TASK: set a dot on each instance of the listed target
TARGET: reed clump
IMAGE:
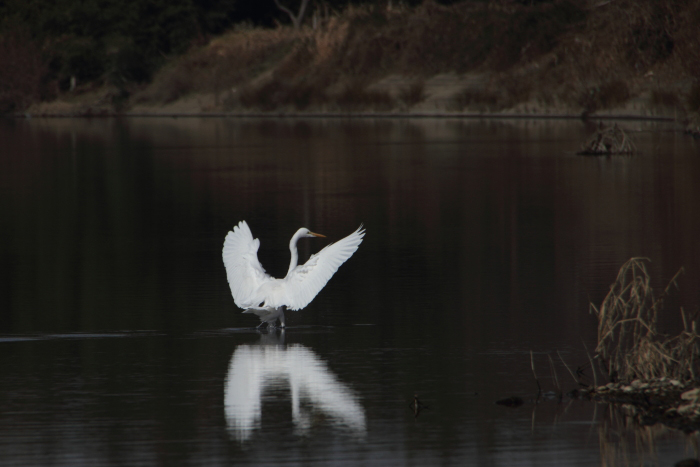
(630, 346)
(608, 140)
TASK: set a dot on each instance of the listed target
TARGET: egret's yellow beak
(317, 235)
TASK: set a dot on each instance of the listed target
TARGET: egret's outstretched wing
(307, 280)
(244, 272)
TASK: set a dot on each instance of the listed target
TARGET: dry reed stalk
(590, 360)
(629, 343)
(554, 376)
(532, 365)
(329, 40)
(567, 367)
(609, 140)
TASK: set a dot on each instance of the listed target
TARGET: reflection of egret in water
(255, 368)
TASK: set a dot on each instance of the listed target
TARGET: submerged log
(607, 141)
(513, 401)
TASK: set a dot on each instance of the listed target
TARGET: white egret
(257, 292)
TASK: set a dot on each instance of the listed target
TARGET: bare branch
(296, 19)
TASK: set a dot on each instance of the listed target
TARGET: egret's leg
(282, 318)
(272, 320)
(260, 325)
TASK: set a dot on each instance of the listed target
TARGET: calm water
(120, 343)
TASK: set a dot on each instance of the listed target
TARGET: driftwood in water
(513, 401)
(608, 140)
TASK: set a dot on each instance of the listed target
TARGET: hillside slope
(561, 57)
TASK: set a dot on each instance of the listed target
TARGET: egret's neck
(293, 249)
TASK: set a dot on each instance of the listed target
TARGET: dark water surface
(120, 343)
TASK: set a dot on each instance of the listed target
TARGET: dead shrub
(608, 140)
(629, 344)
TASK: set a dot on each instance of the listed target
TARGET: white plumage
(257, 292)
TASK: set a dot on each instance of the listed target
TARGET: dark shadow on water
(79, 335)
(303, 329)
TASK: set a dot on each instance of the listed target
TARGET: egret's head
(307, 233)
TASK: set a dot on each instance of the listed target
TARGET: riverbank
(441, 95)
(690, 124)
(556, 59)
(95, 104)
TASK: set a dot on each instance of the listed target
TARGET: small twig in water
(554, 375)
(567, 367)
(417, 406)
(595, 377)
(532, 364)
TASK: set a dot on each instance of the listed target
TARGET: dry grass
(229, 60)
(629, 343)
(585, 55)
(363, 44)
(608, 140)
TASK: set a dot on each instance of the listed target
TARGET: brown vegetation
(587, 57)
(630, 346)
(608, 140)
(340, 59)
(582, 57)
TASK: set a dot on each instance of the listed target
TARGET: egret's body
(257, 292)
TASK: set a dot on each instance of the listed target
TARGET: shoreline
(350, 115)
(688, 123)
(658, 401)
